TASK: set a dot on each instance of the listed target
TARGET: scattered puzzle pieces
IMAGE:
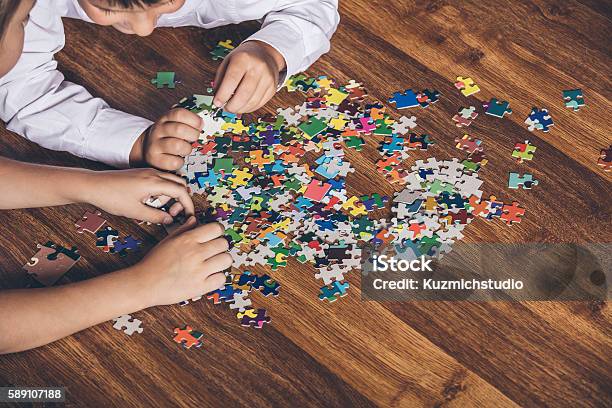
(127, 324)
(574, 99)
(406, 99)
(605, 158)
(466, 86)
(468, 144)
(253, 318)
(523, 151)
(187, 337)
(51, 262)
(222, 49)
(465, 116)
(122, 247)
(165, 80)
(90, 222)
(526, 181)
(496, 108)
(512, 214)
(539, 119)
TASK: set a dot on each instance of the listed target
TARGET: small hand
(248, 77)
(166, 143)
(124, 192)
(185, 265)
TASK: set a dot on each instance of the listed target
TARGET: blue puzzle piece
(333, 291)
(207, 180)
(121, 247)
(526, 181)
(408, 99)
(497, 109)
(539, 119)
(573, 99)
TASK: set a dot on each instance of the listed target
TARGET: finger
(187, 226)
(178, 192)
(183, 115)
(163, 200)
(257, 98)
(230, 81)
(219, 262)
(176, 209)
(243, 94)
(270, 92)
(154, 215)
(214, 247)
(173, 177)
(165, 161)
(208, 232)
(219, 76)
(174, 146)
(178, 130)
(214, 281)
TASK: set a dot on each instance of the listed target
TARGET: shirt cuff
(281, 36)
(112, 136)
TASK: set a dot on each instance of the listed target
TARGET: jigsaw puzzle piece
(128, 244)
(466, 86)
(48, 265)
(573, 99)
(187, 337)
(90, 222)
(406, 99)
(605, 159)
(165, 79)
(497, 108)
(127, 324)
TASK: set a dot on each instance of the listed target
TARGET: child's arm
(183, 266)
(297, 32)
(117, 192)
(37, 103)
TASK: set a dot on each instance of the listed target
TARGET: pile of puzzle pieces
(275, 206)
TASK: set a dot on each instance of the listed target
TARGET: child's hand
(124, 193)
(185, 265)
(248, 77)
(166, 143)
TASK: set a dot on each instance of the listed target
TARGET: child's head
(129, 16)
(13, 18)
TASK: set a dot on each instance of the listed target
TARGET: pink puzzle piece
(90, 222)
(316, 191)
(47, 271)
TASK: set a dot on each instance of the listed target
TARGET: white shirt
(37, 103)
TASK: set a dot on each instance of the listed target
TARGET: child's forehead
(124, 4)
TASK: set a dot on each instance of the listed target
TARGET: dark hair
(7, 9)
(131, 3)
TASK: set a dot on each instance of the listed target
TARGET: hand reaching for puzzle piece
(127, 192)
(248, 77)
(184, 265)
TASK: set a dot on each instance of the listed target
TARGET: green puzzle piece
(313, 127)
(164, 79)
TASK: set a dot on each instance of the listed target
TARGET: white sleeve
(299, 29)
(37, 103)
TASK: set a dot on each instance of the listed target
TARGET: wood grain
(357, 353)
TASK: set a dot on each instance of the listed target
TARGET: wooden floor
(355, 353)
